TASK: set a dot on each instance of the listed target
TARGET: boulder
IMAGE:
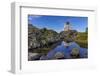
(38, 38)
(33, 56)
(75, 53)
(43, 57)
(68, 36)
(59, 55)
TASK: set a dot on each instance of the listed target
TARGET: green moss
(82, 39)
(82, 43)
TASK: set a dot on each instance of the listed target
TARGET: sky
(57, 22)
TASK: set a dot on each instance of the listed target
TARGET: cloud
(31, 17)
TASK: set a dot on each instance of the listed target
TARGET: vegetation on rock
(82, 39)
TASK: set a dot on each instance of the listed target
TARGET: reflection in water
(64, 50)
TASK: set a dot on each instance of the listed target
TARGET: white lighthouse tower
(67, 26)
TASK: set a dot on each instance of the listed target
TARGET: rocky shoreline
(41, 41)
(39, 38)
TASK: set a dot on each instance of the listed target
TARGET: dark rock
(59, 55)
(33, 56)
(43, 57)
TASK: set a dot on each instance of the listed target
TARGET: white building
(67, 26)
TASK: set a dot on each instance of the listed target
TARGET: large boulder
(33, 36)
(75, 53)
(38, 38)
(68, 36)
(49, 36)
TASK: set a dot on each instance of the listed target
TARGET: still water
(66, 49)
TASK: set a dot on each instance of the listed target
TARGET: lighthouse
(67, 26)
